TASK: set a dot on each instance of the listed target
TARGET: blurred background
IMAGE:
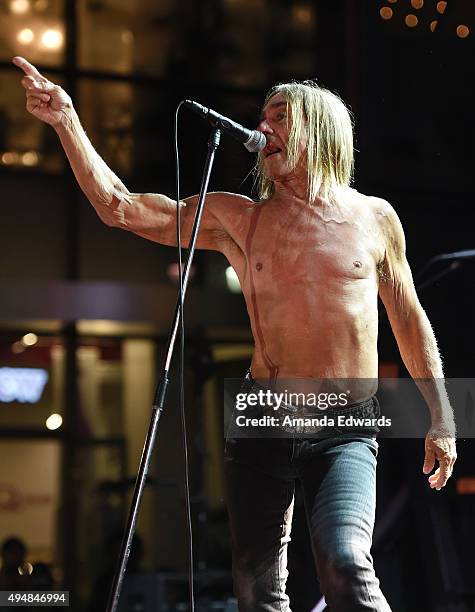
(85, 309)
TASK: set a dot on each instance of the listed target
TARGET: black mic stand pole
(432, 279)
(161, 389)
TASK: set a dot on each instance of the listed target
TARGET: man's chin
(275, 174)
(274, 169)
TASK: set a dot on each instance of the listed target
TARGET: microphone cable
(182, 370)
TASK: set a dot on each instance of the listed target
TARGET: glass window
(33, 29)
(32, 374)
(29, 496)
(25, 142)
(243, 29)
(107, 111)
(298, 43)
(127, 37)
(100, 386)
(100, 477)
(126, 123)
(31, 381)
(258, 43)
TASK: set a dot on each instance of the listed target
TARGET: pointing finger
(28, 68)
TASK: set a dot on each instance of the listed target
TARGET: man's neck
(293, 190)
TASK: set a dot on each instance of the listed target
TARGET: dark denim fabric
(368, 408)
(338, 477)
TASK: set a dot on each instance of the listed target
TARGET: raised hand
(44, 100)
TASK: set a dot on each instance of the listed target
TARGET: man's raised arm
(151, 216)
(417, 345)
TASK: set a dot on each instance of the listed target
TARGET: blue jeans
(338, 477)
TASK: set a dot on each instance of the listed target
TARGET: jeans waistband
(366, 408)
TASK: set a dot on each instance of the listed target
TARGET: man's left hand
(439, 446)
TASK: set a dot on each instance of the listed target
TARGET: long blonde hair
(329, 126)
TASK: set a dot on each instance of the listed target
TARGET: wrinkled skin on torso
(309, 276)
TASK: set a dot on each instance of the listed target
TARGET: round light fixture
(463, 31)
(386, 12)
(52, 39)
(25, 36)
(54, 421)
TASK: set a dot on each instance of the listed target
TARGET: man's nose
(264, 127)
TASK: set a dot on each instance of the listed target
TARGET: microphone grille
(257, 141)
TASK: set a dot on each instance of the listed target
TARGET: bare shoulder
(226, 214)
(222, 201)
(384, 213)
(377, 212)
(380, 216)
(388, 223)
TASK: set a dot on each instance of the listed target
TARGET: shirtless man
(311, 258)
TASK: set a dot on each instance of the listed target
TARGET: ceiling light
(10, 157)
(25, 36)
(441, 6)
(19, 6)
(29, 339)
(30, 158)
(54, 421)
(52, 39)
(386, 12)
(463, 31)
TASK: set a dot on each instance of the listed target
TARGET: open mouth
(271, 151)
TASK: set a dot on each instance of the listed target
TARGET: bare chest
(307, 250)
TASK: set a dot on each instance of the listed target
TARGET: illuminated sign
(23, 385)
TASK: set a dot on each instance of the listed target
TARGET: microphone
(253, 140)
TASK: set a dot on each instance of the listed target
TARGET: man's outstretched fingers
(429, 461)
(28, 68)
(433, 478)
(444, 473)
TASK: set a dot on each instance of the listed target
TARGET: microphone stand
(161, 389)
(435, 277)
(432, 279)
